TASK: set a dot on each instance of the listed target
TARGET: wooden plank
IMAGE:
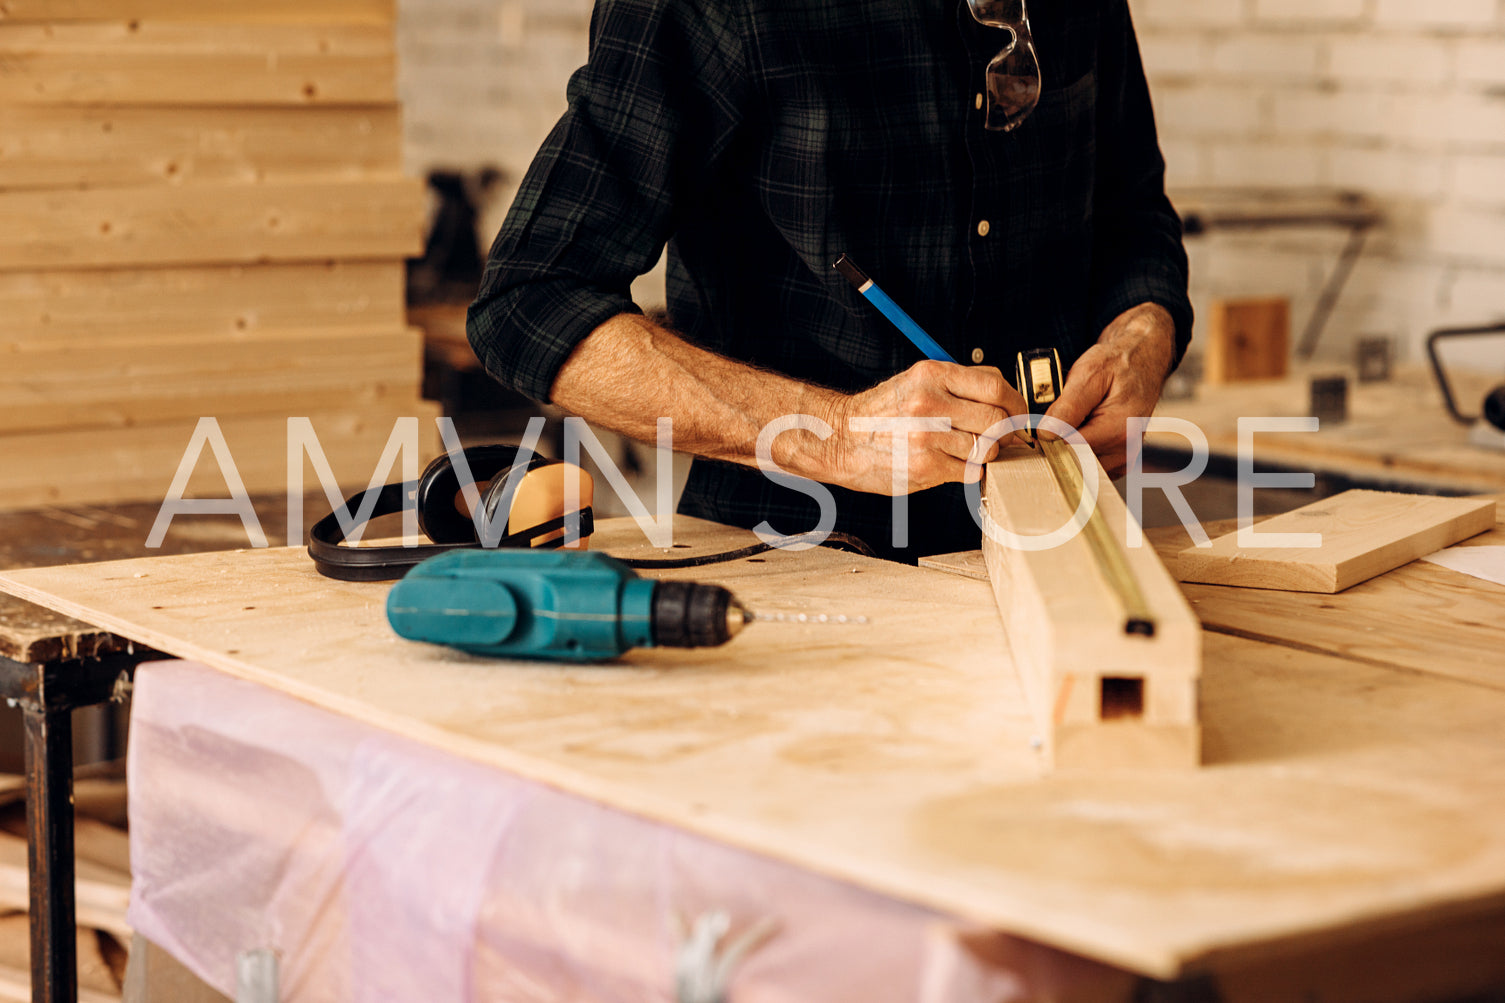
(1420, 617)
(102, 893)
(1247, 339)
(1362, 534)
(209, 301)
(894, 755)
(124, 147)
(203, 11)
(212, 224)
(163, 63)
(1100, 696)
(967, 563)
(117, 383)
(137, 464)
(103, 845)
(168, 356)
(96, 980)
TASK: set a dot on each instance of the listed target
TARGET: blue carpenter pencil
(896, 316)
(895, 313)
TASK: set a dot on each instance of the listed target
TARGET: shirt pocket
(1060, 156)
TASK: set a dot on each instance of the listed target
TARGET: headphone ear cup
(540, 496)
(438, 517)
(442, 513)
(495, 497)
(544, 495)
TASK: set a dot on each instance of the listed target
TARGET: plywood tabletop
(1418, 618)
(896, 754)
(83, 534)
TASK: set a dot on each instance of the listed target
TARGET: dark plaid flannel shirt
(762, 138)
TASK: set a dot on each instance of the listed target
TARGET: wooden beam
(203, 11)
(154, 63)
(212, 224)
(206, 301)
(1363, 534)
(1101, 697)
(51, 147)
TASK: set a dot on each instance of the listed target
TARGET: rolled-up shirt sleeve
(649, 116)
(1138, 256)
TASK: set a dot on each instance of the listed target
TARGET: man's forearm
(631, 371)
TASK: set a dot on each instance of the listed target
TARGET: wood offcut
(1355, 536)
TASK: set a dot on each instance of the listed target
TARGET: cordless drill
(559, 605)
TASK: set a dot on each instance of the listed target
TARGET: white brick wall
(1403, 100)
(482, 82)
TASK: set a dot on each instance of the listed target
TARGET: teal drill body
(560, 605)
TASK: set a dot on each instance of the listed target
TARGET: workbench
(52, 664)
(1398, 435)
(1345, 837)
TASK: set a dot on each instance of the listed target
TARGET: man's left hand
(1118, 378)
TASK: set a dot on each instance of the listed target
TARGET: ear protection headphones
(529, 486)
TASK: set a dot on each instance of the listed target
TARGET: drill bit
(751, 616)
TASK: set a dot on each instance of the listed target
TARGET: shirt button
(983, 228)
(978, 103)
(976, 356)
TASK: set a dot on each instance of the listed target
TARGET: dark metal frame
(47, 694)
(1435, 358)
(1350, 211)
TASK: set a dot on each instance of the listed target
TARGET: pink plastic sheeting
(385, 870)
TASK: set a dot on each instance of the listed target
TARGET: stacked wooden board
(101, 891)
(205, 215)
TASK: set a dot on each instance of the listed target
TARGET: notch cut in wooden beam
(1101, 696)
(1122, 698)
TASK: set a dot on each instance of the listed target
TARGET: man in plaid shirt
(761, 139)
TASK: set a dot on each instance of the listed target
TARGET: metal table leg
(47, 694)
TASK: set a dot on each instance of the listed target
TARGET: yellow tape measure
(1040, 382)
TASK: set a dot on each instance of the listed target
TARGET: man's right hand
(865, 457)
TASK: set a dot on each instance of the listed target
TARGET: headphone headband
(434, 496)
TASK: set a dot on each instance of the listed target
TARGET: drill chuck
(555, 604)
(694, 615)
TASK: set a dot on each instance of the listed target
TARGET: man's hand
(1117, 379)
(974, 398)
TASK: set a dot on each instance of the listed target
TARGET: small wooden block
(966, 563)
(1247, 339)
(1364, 534)
(1101, 697)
